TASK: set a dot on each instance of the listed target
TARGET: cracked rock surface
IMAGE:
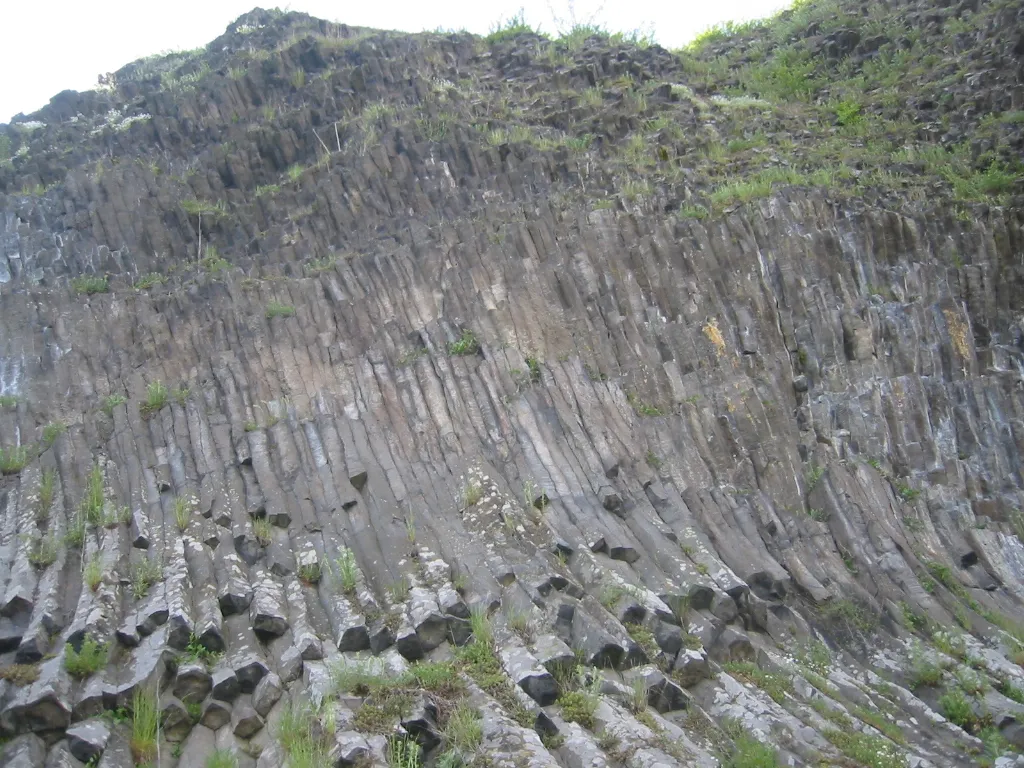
(336, 418)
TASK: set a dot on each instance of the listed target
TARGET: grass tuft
(90, 658)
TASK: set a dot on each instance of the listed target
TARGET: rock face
(311, 352)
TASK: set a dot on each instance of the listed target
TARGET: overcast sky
(53, 45)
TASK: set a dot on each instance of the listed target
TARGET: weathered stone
(175, 720)
(225, 686)
(267, 692)
(245, 721)
(216, 714)
(192, 683)
(88, 739)
(526, 672)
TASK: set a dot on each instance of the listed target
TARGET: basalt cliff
(371, 398)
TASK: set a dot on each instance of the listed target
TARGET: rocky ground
(371, 398)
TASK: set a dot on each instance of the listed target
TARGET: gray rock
(225, 685)
(25, 751)
(88, 739)
(193, 682)
(526, 672)
(175, 720)
(216, 714)
(245, 721)
(268, 691)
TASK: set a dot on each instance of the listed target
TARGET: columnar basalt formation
(370, 395)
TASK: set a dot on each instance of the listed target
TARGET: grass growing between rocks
(302, 738)
(13, 459)
(156, 398)
(145, 725)
(20, 674)
(869, 751)
(89, 658)
(479, 660)
(222, 758)
(776, 686)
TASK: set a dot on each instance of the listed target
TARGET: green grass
(466, 344)
(145, 719)
(306, 746)
(748, 752)
(403, 752)
(156, 398)
(345, 571)
(262, 530)
(142, 574)
(43, 552)
(294, 172)
(508, 29)
(776, 686)
(13, 459)
(52, 431)
(276, 309)
(110, 402)
(149, 281)
(8, 401)
(309, 573)
(196, 650)
(869, 751)
(182, 512)
(92, 574)
(75, 535)
(196, 207)
(89, 285)
(222, 758)
(47, 490)
(579, 707)
(93, 498)
(923, 672)
(90, 658)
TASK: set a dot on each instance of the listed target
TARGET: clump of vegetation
(263, 531)
(13, 459)
(182, 512)
(465, 345)
(196, 650)
(776, 686)
(305, 744)
(145, 719)
(89, 285)
(276, 309)
(43, 552)
(309, 573)
(8, 401)
(110, 402)
(222, 758)
(850, 616)
(471, 494)
(93, 573)
(149, 281)
(89, 658)
(508, 29)
(579, 707)
(870, 751)
(20, 674)
(345, 570)
(93, 499)
(47, 488)
(156, 398)
(52, 431)
(142, 574)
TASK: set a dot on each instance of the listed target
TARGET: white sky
(54, 45)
